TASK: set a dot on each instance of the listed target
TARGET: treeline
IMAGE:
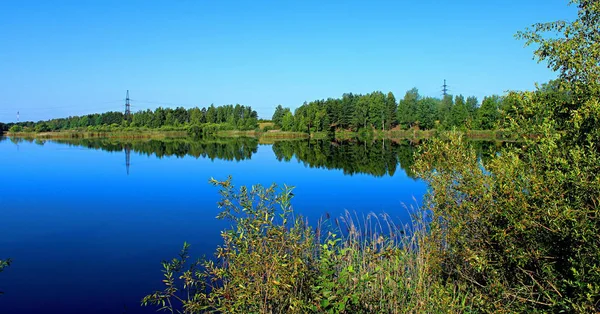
(382, 112)
(230, 117)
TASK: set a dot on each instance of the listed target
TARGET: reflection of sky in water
(86, 237)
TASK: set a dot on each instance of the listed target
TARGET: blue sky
(61, 58)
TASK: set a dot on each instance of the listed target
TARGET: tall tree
(377, 109)
(488, 114)
(390, 114)
(426, 112)
(278, 115)
(407, 108)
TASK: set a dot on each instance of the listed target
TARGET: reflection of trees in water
(234, 149)
(377, 158)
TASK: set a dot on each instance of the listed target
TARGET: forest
(381, 111)
(351, 112)
(227, 117)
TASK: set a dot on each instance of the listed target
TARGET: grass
(262, 125)
(238, 133)
(156, 134)
(284, 135)
(266, 137)
(272, 261)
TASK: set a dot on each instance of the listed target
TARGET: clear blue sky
(61, 58)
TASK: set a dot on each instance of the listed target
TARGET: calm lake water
(87, 222)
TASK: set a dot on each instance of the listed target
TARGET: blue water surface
(87, 236)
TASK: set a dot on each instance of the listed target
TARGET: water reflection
(127, 150)
(378, 158)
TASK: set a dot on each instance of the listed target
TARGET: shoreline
(271, 136)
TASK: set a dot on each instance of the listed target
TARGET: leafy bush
(268, 128)
(15, 129)
(271, 262)
(522, 231)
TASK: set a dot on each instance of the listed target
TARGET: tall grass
(272, 261)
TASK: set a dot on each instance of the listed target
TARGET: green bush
(271, 262)
(15, 129)
(522, 230)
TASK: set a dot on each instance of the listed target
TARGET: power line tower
(127, 105)
(445, 89)
(17, 116)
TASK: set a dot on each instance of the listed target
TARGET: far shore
(268, 136)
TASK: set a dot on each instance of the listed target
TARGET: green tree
(278, 115)
(521, 231)
(361, 113)
(390, 114)
(42, 127)
(211, 114)
(443, 110)
(488, 114)
(377, 109)
(459, 113)
(348, 108)
(472, 104)
(407, 108)
(426, 112)
(15, 128)
(287, 122)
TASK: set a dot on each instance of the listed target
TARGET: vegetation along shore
(516, 231)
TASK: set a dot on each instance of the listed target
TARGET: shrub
(522, 230)
(15, 129)
(271, 262)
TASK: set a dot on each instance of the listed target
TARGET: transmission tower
(17, 116)
(127, 105)
(445, 89)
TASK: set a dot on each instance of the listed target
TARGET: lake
(87, 222)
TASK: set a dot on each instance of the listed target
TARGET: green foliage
(4, 264)
(489, 113)
(459, 114)
(228, 117)
(271, 262)
(15, 129)
(521, 230)
(235, 149)
(374, 157)
(407, 108)
(42, 127)
(287, 122)
(425, 115)
(378, 111)
(278, 115)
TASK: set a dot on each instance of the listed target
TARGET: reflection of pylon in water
(127, 150)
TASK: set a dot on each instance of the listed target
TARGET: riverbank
(268, 136)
